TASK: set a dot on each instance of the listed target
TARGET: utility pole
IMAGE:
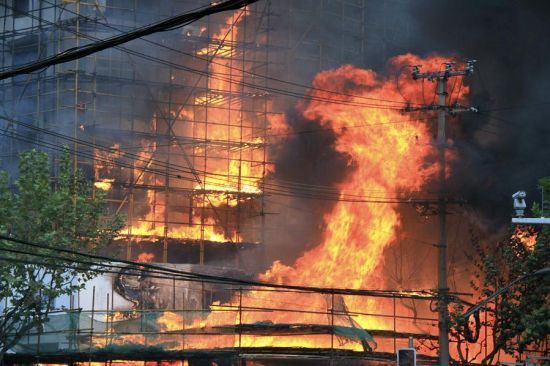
(441, 77)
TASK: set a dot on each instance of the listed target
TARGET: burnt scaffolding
(181, 133)
(168, 127)
(229, 333)
(173, 131)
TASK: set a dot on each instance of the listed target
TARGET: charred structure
(265, 144)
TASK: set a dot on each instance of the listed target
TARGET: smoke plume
(505, 147)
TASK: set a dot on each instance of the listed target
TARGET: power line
(229, 79)
(270, 190)
(382, 293)
(309, 87)
(99, 267)
(336, 195)
(216, 179)
(164, 25)
(289, 191)
(316, 310)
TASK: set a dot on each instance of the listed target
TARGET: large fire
(225, 174)
(227, 122)
(388, 152)
(391, 157)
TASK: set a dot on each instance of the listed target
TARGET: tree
(519, 320)
(60, 214)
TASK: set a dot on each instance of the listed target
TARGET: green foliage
(544, 186)
(61, 214)
(519, 319)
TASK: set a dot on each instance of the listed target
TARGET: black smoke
(505, 147)
(307, 157)
(500, 150)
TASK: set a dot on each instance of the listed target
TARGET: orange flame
(390, 154)
(230, 174)
(526, 235)
(145, 257)
(104, 184)
(104, 161)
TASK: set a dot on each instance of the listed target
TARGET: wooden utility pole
(441, 77)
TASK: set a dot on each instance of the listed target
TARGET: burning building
(177, 124)
(243, 145)
(183, 155)
(175, 128)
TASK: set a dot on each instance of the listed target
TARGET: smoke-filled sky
(503, 149)
(506, 147)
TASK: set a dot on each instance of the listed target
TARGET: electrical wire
(304, 193)
(196, 56)
(284, 191)
(299, 95)
(215, 179)
(164, 25)
(254, 178)
(223, 279)
(224, 183)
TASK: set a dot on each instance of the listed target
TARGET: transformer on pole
(442, 108)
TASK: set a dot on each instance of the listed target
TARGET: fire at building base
(268, 183)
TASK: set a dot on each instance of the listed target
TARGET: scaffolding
(168, 127)
(186, 330)
(175, 131)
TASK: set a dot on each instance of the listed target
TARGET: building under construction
(176, 128)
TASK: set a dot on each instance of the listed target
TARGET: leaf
(43, 213)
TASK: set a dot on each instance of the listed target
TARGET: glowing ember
(145, 257)
(104, 184)
(526, 235)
